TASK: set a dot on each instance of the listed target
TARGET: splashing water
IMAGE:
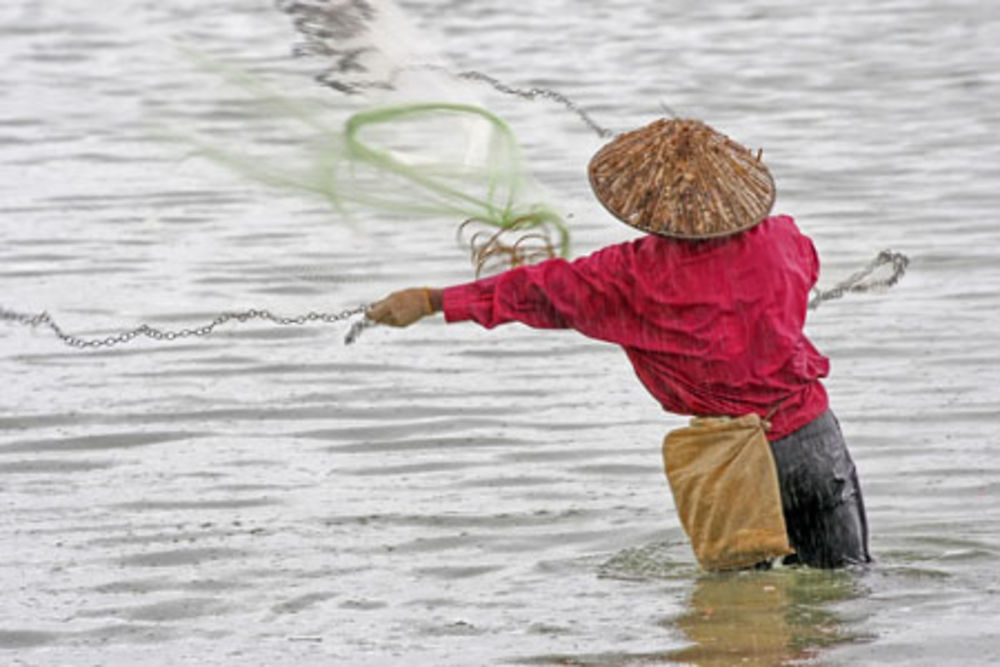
(656, 561)
(352, 38)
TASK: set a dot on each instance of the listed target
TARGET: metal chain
(167, 335)
(853, 283)
(856, 281)
(532, 93)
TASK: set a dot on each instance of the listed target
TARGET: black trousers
(820, 495)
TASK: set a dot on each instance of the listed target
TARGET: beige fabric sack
(725, 485)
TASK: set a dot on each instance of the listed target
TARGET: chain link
(148, 331)
(853, 283)
(856, 281)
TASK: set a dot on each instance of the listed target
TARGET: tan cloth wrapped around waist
(725, 486)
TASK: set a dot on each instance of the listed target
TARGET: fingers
(381, 312)
(402, 308)
(376, 311)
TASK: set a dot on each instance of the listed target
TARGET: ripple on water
(386, 433)
(453, 572)
(15, 639)
(428, 443)
(520, 527)
(182, 557)
(104, 441)
(53, 466)
(164, 584)
(302, 603)
(178, 609)
(202, 504)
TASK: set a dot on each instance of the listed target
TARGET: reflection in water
(764, 617)
(782, 616)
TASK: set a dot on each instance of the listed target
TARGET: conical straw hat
(682, 179)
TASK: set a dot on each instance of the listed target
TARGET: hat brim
(682, 179)
(683, 236)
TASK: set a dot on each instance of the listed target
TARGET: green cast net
(441, 160)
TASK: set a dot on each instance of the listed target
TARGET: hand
(403, 308)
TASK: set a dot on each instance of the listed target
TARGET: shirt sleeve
(591, 295)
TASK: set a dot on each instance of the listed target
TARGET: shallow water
(447, 495)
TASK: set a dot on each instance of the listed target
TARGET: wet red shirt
(711, 328)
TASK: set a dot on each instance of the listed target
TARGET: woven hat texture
(682, 179)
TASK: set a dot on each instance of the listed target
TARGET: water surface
(447, 495)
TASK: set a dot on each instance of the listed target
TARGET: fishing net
(441, 160)
(449, 159)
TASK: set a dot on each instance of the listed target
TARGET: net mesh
(441, 160)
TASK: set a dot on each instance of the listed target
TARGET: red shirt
(711, 328)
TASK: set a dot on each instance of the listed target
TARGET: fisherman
(709, 307)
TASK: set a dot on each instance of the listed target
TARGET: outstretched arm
(591, 294)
